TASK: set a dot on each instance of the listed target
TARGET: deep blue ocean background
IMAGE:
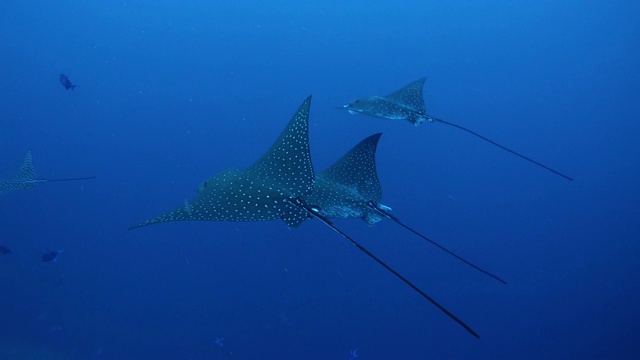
(172, 92)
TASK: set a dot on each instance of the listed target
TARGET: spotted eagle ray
(275, 187)
(408, 104)
(26, 177)
(350, 188)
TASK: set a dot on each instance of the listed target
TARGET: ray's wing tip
(135, 227)
(372, 139)
(307, 102)
(139, 225)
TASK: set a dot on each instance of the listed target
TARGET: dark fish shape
(26, 177)
(51, 255)
(4, 250)
(408, 104)
(273, 188)
(350, 188)
(64, 80)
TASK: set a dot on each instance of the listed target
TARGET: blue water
(172, 92)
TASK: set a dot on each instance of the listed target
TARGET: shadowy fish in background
(64, 80)
(4, 250)
(51, 255)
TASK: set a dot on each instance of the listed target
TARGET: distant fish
(4, 250)
(219, 341)
(51, 255)
(64, 80)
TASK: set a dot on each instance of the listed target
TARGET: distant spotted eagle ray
(26, 177)
(350, 189)
(275, 187)
(408, 104)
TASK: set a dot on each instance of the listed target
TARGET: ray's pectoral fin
(259, 192)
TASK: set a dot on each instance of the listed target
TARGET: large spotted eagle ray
(350, 189)
(275, 187)
(408, 104)
(26, 177)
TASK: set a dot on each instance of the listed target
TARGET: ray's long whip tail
(431, 118)
(313, 213)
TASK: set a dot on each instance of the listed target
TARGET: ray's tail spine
(312, 213)
(397, 221)
(69, 179)
(430, 118)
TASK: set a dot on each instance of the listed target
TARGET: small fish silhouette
(64, 80)
(51, 255)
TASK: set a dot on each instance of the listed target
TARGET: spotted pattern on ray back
(410, 97)
(380, 107)
(260, 192)
(344, 189)
(25, 178)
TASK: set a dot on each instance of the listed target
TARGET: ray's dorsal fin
(258, 193)
(410, 96)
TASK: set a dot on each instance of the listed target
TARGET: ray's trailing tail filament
(431, 118)
(387, 214)
(313, 213)
(68, 179)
